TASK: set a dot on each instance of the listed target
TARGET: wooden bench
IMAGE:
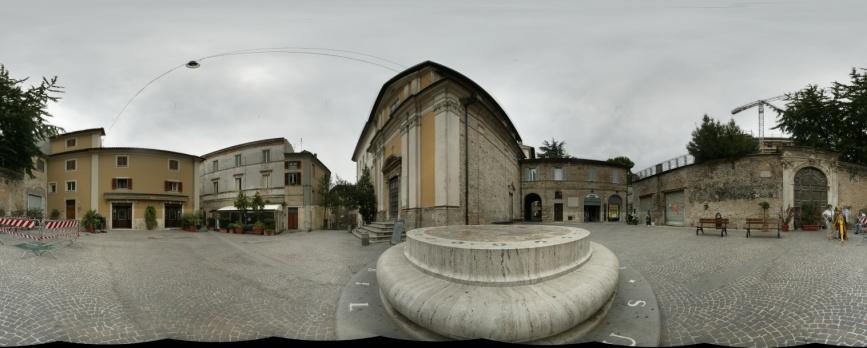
(763, 223)
(723, 223)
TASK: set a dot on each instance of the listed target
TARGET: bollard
(365, 239)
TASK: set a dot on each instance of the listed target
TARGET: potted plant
(200, 219)
(150, 217)
(809, 217)
(784, 219)
(237, 228)
(259, 227)
(55, 214)
(269, 232)
(188, 222)
(90, 220)
(101, 225)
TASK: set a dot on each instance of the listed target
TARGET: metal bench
(764, 224)
(720, 224)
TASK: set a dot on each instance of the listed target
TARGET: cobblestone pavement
(748, 292)
(134, 286)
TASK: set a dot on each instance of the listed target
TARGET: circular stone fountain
(509, 283)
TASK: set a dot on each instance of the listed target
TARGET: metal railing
(666, 165)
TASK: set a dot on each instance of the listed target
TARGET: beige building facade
(119, 183)
(441, 151)
(786, 177)
(287, 180)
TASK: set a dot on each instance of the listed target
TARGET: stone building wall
(734, 189)
(494, 171)
(13, 193)
(576, 185)
(853, 187)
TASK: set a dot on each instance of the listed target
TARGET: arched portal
(532, 207)
(811, 186)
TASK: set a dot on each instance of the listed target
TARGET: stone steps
(379, 231)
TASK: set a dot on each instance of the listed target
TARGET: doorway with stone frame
(391, 176)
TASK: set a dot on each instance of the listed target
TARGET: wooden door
(393, 197)
(292, 219)
(121, 215)
(70, 209)
(558, 211)
(172, 215)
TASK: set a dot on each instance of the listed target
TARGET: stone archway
(532, 207)
(811, 186)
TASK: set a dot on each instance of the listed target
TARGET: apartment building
(119, 182)
(270, 167)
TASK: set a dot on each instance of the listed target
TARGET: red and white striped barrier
(61, 224)
(61, 229)
(18, 222)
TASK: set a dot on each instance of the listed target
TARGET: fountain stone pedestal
(508, 283)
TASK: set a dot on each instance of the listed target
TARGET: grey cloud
(610, 78)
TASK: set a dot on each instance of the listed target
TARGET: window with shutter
(130, 183)
(180, 187)
(114, 184)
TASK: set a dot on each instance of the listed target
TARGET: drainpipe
(466, 103)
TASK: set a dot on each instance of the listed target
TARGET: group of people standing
(837, 223)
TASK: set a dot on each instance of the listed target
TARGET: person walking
(827, 220)
(846, 214)
(861, 223)
(840, 225)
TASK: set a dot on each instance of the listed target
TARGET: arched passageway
(532, 207)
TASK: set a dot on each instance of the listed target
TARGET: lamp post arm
(139, 92)
(259, 51)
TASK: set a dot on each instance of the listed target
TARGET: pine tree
(714, 140)
(834, 119)
(554, 149)
(23, 123)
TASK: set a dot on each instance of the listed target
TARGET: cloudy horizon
(615, 78)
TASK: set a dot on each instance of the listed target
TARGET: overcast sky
(610, 78)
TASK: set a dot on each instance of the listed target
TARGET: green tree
(622, 160)
(343, 194)
(23, 123)
(242, 203)
(833, 119)
(554, 149)
(257, 204)
(714, 140)
(150, 217)
(365, 197)
(326, 197)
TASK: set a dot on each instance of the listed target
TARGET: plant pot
(785, 227)
(90, 229)
(239, 230)
(259, 230)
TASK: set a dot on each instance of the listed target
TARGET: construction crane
(761, 104)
